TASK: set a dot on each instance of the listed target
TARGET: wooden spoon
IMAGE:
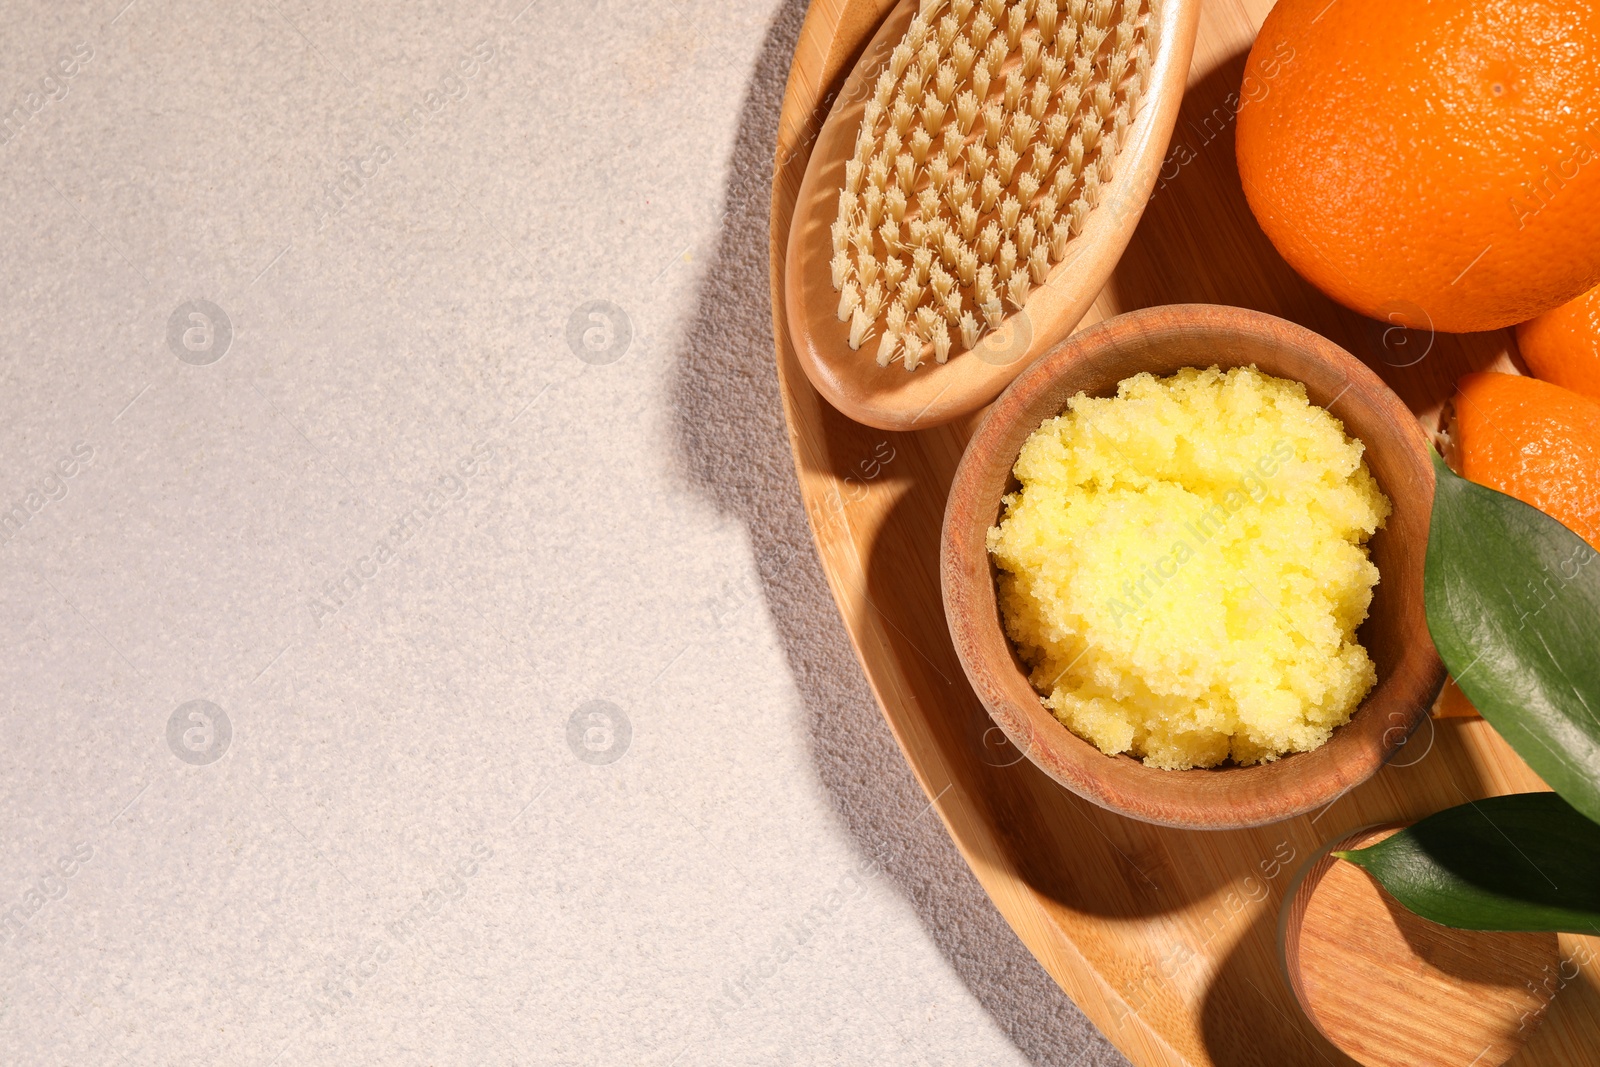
(893, 398)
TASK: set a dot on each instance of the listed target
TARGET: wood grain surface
(1395, 990)
(1165, 938)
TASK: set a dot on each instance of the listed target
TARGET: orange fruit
(1431, 164)
(1563, 346)
(1532, 440)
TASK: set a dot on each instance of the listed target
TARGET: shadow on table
(729, 429)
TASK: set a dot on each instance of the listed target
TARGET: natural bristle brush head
(985, 145)
(978, 175)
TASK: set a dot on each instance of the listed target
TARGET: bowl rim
(1227, 797)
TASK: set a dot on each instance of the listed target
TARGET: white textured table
(413, 649)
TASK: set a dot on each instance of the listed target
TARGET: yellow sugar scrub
(1185, 567)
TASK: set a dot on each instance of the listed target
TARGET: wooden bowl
(1393, 989)
(893, 398)
(1162, 340)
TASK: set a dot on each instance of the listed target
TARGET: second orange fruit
(1432, 164)
(1532, 440)
(1563, 346)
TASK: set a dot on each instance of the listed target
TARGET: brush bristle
(987, 140)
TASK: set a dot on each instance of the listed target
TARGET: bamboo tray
(1165, 938)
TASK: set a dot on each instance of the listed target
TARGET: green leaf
(1528, 861)
(1513, 603)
